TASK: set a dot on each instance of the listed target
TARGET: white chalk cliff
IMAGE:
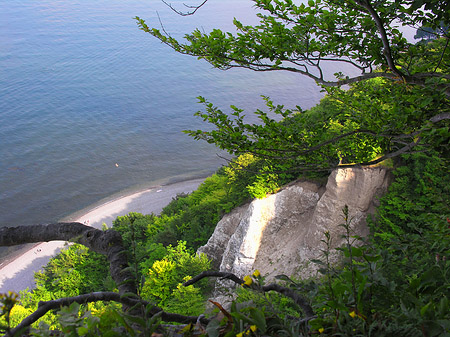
(281, 233)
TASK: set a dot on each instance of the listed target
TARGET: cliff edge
(281, 233)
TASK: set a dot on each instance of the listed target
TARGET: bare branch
(298, 299)
(195, 8)
(433, 74)
(210, 273)
(440, 117)
(417, 79)
(44, 307)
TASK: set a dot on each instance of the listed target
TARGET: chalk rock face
(281, 233)
(225, 228)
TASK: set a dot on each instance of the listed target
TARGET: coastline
(17, 273)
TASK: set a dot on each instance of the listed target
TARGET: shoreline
(17, 272)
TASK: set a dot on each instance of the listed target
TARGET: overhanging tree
(303, 38)
(399, 100)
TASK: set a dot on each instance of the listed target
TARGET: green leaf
(284, 278)
(357, 251)
(425, 308)
(242, 317)
(82, 330)
(138, 320)
(213, 328)
(111, 333)
(259, 318)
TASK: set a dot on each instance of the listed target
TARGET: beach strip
(18, 274)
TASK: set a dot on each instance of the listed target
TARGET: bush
(162, 284)
(75, 270)
(397, 283)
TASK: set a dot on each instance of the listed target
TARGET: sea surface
(91, 106)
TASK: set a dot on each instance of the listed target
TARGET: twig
(298, 299)
(440, 117)
(442, 55)
(209, 273)
(196, 8)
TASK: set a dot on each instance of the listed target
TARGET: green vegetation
(386, 285)
(161, 249)
(163, 283)
(394, 282)
(372, 121)
(398, 284)
(74, 271)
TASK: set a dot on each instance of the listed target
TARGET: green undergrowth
(193, 217)
(396, 282)
(161, 248)
(393, 283)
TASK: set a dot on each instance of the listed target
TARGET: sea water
(90, 105)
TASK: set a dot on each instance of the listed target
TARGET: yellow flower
(352, 314)
(247, 280)
(256, 273)
(239, 334)
(253, 328)
(321, 330)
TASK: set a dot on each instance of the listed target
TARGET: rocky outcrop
(281, 233)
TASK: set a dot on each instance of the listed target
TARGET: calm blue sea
(81, 89)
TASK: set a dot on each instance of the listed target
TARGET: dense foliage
(374, 120)
(163, 282)
(396, 281)
(398, 99)
(302, 37)
(161, 249)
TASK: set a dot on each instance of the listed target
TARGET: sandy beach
(18, 274)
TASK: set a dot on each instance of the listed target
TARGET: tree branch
(442, 55)
(108, 243)
(210, 273)
(44, 307)
(384, 39)
(195, 8)
(296, 297)
(440, 117)
(224, 61)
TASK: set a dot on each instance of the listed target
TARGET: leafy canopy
(303, 37)
(398, 103)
